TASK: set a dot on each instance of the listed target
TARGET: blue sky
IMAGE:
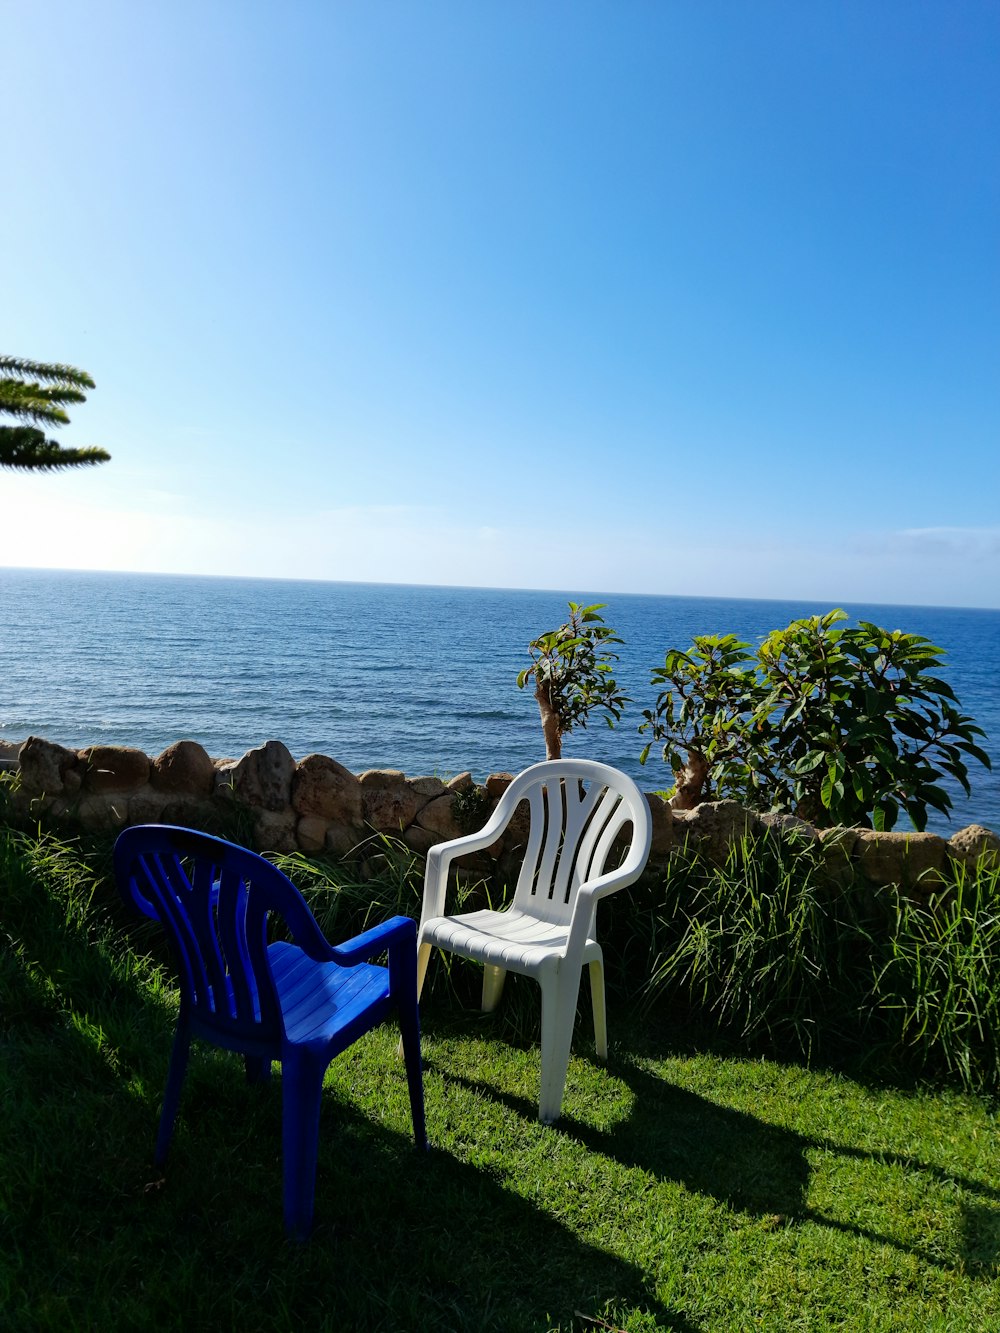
(697, 298)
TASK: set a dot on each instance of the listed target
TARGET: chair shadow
(375, 1195)
(753, 1166)
(568, 1281)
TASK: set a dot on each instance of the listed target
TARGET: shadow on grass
(753, 1166)
(97, 1237)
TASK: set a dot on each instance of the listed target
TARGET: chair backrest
(214, 900)
(578, 810)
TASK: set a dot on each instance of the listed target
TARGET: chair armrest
(590, 894)
(441, 855)
(446, 852)
(398, 930)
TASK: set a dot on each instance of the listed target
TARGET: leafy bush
(837, 726)
(572, 670)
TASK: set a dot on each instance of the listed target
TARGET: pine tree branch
(26, 448)
(46, 373)
(30, 402)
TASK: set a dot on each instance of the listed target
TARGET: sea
(416, 678)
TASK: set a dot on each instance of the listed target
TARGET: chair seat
(318, 1000)
(512, 939)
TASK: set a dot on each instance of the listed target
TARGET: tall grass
(763, 943)
(940, 984)
(800, 958)
(781, 948)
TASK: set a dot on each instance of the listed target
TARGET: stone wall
(315, 804)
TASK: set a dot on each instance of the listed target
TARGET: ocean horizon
(414, 677)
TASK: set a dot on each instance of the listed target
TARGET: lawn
(689, 1186)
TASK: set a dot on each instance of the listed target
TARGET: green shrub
(572, 670)
(837, 726)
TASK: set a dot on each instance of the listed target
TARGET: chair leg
(409, 1027)
(423, 958)
(172, 1095)
(600, 1009)
(558, 1014)
(301, 1087)
(493, 979)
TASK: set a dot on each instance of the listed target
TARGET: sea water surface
(421, 679)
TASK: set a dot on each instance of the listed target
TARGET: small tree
(35, 394)
(572, 671)
(837, 726)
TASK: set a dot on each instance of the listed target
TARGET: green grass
(686, 1188)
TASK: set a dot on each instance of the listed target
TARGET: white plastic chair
(577, 810)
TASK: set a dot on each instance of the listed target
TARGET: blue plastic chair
(301, 1003)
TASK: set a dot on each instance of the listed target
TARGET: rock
(420, 840)
(663, 826)
(191, 812)
(497, 784)
(438, 817)
(341, 840)
(102, 811)
(322, 787)
(388, 802)
(382, 777)
(310, 833)
(905, 859)
(262, 778)
(53, 807)
(839, 839)
(183, 767)
(274, 831)
(789, 827)
(429, 787)
(43, 766)
(113, 768)
(838, 845)
(146, 805)
(714, 827)
(974, 844)
(515, 836)
(460, 782)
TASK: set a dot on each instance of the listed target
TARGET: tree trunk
(690, 782)
(550, 721)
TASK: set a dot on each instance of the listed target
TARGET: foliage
(941, 980)
(836, 725)
(572, 670)
(469, 808)
(784, 948)
(35, 394)
(769, 946)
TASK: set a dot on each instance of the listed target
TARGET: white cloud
(980, 543)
